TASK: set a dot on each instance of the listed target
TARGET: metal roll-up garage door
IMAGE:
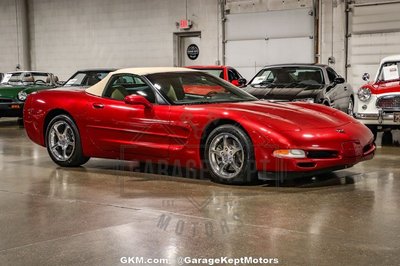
(259, 33)
(374, 28)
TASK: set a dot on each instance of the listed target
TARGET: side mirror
(235, 82)
(339, 80)
(137, 100)
(366, 77)
(242, 82)
(239, 82)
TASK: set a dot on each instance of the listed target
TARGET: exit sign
(185, 24)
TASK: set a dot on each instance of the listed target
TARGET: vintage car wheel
(63, 142)
(229, 156)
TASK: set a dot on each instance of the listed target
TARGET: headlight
(22, 96)
(364, 94)
(294, 153)
(307, 100)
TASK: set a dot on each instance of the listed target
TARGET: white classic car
(377, 103)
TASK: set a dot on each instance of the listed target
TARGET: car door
(115, 126)
(339, 94)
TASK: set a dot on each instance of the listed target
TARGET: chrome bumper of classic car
(383, 117)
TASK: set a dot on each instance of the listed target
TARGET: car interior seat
(28, 79)
(118, 93)
(173, 89)
(283, 77)
(316, 76)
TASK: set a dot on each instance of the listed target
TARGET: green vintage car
(15, 87)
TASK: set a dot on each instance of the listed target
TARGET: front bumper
(11, 109)
(381, 118)
(327, 150)
(319, 166)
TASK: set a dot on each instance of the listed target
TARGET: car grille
(5, 100)
(322, 154)
(389, 102)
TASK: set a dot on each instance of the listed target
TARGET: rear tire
(63, 142)
(229, 156)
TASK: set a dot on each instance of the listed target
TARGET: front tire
(229, 156)
(63, 142)
(374, 130)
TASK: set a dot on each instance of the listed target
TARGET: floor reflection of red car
(145, 114)
(225, 72)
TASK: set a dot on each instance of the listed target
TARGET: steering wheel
(40, 81)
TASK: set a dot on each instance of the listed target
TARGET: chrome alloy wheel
(61, 141)
(226, 155)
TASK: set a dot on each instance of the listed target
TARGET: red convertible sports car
(155, 115)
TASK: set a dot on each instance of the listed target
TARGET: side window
(331, 74)
(232, 75)
(123, 85)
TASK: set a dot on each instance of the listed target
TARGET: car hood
(384, 87)
(9, 91)
(285, 116)
(284, 92)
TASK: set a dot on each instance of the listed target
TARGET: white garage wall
(70, 34)
(375, 34)
(76, 34)
(11, 40)
(265, 32)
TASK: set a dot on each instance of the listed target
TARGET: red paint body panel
(383, 87)
(173, 133)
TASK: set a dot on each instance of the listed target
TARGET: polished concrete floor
(97, 214)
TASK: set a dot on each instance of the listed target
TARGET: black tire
(75, 158)
(20, 122)
(374, 130)
(247, 173)
(387, 138)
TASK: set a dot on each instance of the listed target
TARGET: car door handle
(98, 106)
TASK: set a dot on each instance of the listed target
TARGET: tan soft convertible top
(98, 88)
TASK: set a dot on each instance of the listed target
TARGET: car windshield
(219, 73)
(389, 71)
(86, 78)
(196, 88)
(26, 78)
(289, 76)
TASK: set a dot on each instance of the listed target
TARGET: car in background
(224, 72)
(314, 83)
(87, 77)
(15, 87)
(146, 114)
(378, 101)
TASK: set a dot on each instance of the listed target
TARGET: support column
(23, 38)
